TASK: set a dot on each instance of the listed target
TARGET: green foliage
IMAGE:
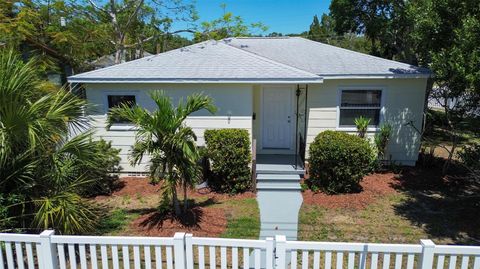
(382, 138)
(39, 159)
(230, 156)
(362, 125)
(228, 25)
(105, 170)
(470, 156)
(163, 135)
(339, 161)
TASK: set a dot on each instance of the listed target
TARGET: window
(356, 103)
(117, 100)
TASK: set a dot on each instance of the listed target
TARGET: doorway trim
(291, 150)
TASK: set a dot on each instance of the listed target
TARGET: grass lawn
(419, 205)
(132, 210)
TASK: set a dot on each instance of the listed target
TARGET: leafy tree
(323, 31)
(228, 25)
(41, 164)
(163, 136)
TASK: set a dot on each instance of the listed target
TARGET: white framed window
(115, 99)
(356, 102)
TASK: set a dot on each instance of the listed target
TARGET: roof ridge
(267, 59)
(355, 52)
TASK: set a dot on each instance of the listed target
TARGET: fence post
(270, 252)
(48, 250)
(179, 250)
(426, 259)
(189, 251)
(280, 252)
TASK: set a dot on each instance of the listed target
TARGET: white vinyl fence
(183, 251)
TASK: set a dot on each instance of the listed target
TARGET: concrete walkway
(279, 195)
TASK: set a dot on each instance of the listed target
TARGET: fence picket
(398, 261)
(386, 261)
(83, 256)
(316, 260)
(1, 259)
(30, 258)
(410, 261)
(223, 256)
(465, 260)
(476, 262)
(104, 256)
(61, 256)
(339, 260)
(256, 253)
(201, 257)
(452, 262)
(351, 260)
(440, 261)
(212, 260)
(169, 258)
(374, 261)
(234, 258)
(293, 259)
(246, 258)
(19, 254)
(71, 256)
(158, 257)
(126, 257)
(115, 261)
(304, 259)
(9, 252)
(93, 256)
(328, 260)
(136, 257)
(147, 257)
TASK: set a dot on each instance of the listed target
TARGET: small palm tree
(163, 136)
(362, 125)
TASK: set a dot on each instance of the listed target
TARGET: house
(283, 90)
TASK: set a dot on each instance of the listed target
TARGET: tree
(228, 25)
(42, 166)
(135, 22)
(323, 31)
(385, 23)
(163, 136)
(447, 37)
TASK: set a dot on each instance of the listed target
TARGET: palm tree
(163, 135)
(39, 162)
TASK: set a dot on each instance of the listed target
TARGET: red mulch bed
(374, 186)
(201, 220)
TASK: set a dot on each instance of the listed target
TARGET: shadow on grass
(190, 218)
(444, 206)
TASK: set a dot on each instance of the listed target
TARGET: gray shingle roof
(322, 59)
(287, 59)
(206, 61)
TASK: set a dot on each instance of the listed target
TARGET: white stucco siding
(403, 101)
(234, 103)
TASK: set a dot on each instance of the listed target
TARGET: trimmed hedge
(229, 153)
(339, 161)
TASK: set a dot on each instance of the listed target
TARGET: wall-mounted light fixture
(229, 115)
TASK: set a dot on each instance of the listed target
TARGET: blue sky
(279, 15)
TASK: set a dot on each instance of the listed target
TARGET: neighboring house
(284, 91)
(109, 60)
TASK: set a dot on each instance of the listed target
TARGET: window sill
(353, 129)
(123, 127)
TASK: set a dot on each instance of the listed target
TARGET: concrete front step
(278, 186)
(278, 178)
(282, 172)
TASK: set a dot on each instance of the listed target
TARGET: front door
(277, 117)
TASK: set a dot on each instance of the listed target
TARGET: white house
(284, 91)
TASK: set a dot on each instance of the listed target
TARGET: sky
(279, 15)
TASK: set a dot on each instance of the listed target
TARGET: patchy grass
(243, 219)
(133, 210)
(422, 204)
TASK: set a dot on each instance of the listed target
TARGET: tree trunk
(185, 200)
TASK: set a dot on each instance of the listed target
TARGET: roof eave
(376, 76)
(199, 81)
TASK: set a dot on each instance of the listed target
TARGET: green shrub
(470, 156)
(230, 156)
(382, 138)
(104, 170)
(338, 162)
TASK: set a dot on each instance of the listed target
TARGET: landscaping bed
(416, 204)
(133, 210)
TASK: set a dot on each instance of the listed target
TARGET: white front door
(277, 117)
